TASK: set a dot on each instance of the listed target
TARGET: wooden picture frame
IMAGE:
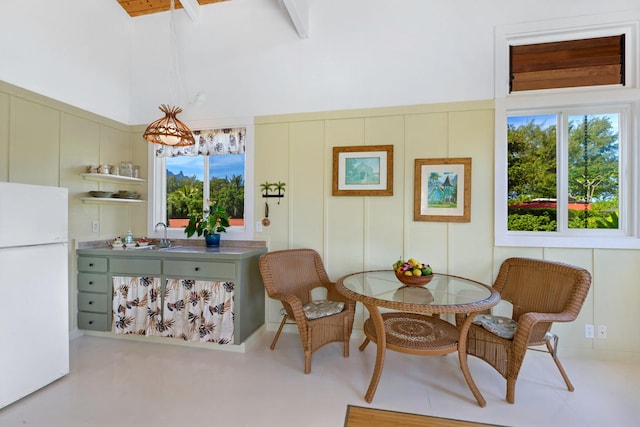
(363, 170)
(442, 190)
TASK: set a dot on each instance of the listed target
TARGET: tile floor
(124, 383)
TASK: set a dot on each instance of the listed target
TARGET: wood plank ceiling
(145, 7)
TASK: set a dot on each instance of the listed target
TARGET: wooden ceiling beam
(192, 7)
(298, 11)
(146, 7)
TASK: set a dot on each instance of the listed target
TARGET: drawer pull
(91, 322)
(197, 268)
(90, 264)
(90, 302)
(91, 282)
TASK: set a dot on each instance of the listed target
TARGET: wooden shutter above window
(585, 62)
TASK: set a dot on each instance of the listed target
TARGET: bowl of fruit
(412, 272)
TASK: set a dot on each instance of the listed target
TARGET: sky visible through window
(546, 120)
(220, 166)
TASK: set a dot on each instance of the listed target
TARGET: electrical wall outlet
(602, 331)
(589, 331)
(95, 227)
(258, 227)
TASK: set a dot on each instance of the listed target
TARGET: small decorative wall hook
(269, 187)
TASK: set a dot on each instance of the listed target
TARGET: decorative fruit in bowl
(412, 272)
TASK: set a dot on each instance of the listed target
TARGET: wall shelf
(109, 200)
(112, 178)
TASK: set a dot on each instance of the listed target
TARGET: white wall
(248, 60)
(74, 51)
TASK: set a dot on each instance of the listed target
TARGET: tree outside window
(212, 170)
(590, 174)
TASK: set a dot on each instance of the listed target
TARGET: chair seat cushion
(322, 308)
(504, 327)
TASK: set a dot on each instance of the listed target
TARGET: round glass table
(412, 323)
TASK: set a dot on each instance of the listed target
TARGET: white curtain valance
(209, 142)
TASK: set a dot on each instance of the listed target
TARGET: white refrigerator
(34, 288)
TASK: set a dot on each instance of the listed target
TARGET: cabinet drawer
(86, 263)
(199, 269)
(93, 321)
(146, 267)
(97, 303)
(90, 282)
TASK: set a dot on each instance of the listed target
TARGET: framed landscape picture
(363, 170)
(442, 190)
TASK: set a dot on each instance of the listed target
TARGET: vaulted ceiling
(297, 10)
(145, 7)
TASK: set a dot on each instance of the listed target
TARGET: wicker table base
(414, 325)
(415, 334)
(418, 334)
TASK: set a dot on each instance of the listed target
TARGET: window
(567, 152)
(563, 171)
(185, 179)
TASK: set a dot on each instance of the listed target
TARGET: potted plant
(211, 222)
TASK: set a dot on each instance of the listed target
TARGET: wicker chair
(289, 276)
(542, 292)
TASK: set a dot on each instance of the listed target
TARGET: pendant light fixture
(169, 130)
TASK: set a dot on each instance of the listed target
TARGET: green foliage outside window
(229, 193)
(185, 195)
(532, 220)
(592, 172)
(531, 162)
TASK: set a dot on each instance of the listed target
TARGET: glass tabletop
(383, 288)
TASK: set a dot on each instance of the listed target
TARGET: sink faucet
(163, 242)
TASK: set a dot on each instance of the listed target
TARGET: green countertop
(231, 250)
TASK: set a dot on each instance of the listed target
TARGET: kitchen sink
(191, 249)
(194, 249)
(168, 248)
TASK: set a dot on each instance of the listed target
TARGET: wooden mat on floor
(358, 416)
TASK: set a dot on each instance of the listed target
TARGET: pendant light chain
(173, 52)
(169, 130)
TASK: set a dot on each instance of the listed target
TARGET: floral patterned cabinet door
(136, 305)
(198, 310)
(193, 310)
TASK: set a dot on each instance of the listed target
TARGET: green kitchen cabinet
(94, 294)
(98, 266)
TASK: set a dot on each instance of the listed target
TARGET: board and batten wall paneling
(114, 146)
(305, 187)
(272, 165)
(426, 138)
(79, 147)
(344, 250)
(116, 219)
(384, 216)
(34, 148)
(4, 137)
(471, 135)
(139, 149)
(350, 227)
(616, 294)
